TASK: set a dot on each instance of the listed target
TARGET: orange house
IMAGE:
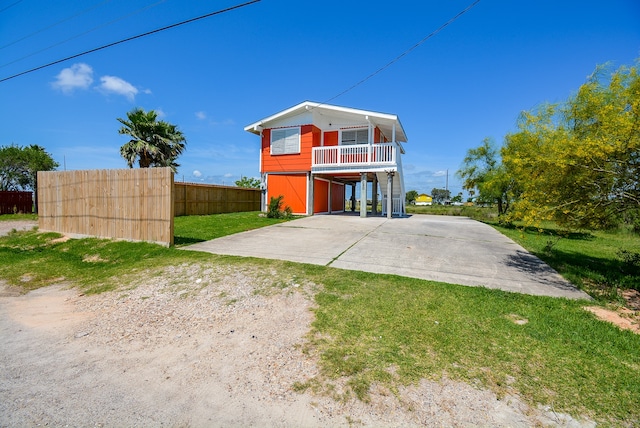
(316, 154)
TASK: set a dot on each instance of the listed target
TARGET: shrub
(275, 208)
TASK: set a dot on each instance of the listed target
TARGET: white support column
(389, 194)
(363, 194)
(311, 185)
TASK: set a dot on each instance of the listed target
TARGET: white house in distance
(312, 151)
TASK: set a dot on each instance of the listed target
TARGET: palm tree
(154, 143)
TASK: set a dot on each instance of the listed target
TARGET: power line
(54, 24)
(10, 6)
(131, 38)
(442, 27)
(84, 33)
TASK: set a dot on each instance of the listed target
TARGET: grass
(32, 260)
(592, 260)
(478, 213)
(390, 330)
(10, 217)
(192, 229)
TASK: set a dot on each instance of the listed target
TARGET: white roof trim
(256, 127)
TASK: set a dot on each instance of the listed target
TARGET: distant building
(424, 199)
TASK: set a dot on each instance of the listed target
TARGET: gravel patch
(9, 225)
(198, 346)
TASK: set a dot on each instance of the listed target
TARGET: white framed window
(355, 136)
(285, 141)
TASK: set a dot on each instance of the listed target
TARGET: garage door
(294, 189)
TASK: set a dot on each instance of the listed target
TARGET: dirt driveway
(199, 346)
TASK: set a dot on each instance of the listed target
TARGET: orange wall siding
(378, 137)
(331, 138)
(294, 189)
(337, 197)
(309, 137)
(321, 196)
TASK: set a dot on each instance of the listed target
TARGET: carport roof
(384, 121)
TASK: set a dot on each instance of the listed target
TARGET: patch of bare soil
(8, 226)
(627, 317)
(201, 346)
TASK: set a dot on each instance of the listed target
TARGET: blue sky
(214, 76)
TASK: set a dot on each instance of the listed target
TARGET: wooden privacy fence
(132, 204)
(16, 202)
(205, 199)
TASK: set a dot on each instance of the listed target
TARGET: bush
(275, 208)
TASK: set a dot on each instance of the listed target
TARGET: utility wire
(442, 27)
(130, 38)
(84, 33)
(54, 24)
(11, 5)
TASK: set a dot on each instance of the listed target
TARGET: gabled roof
(312, 112)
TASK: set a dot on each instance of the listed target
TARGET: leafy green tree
(153, 143)
(248, 182)
(578, 162)
(411, 196)
(19, 167)
(482, 169)
(440, 195)
(457, 198)
(37, 159)
(12, 168)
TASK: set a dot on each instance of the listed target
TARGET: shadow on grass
(595, 271)
(581, 236)
(180, 241)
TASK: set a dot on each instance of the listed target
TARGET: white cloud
(440, 173)
(160, 113)
(118, 86)
(78, 76)
(228, 175)
(197, 173)
(201, 115)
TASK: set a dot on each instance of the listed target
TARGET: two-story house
(316, 154)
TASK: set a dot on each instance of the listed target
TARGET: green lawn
(192, 229)
(391, 330)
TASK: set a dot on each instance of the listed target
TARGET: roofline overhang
(257, 127)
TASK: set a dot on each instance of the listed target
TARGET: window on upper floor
(355, 136)
(285, 141)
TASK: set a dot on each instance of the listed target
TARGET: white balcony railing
(354, 155)
(397, 206)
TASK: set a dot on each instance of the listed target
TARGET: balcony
(354, 157)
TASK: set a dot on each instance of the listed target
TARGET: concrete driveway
(455, 250)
